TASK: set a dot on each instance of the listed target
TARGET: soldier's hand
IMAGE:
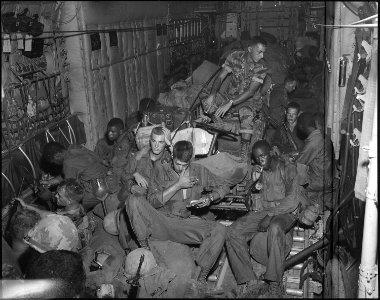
(205, 202)
(256, 172)
(275, 151)
(185, 181)
(168, 139)
(220, 112)
(140, 180)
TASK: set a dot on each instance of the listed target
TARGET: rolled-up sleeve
(216, 184)
(156, 188)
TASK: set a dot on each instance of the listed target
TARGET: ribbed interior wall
(122, 75)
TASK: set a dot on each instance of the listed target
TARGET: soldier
(139, 168)
(319, 157)
(248, 72)
(280, 184)
(174, 186)
(286, 140)
(115, 147)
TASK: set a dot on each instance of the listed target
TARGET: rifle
(290, 137)
(278, 125)
(134, 282)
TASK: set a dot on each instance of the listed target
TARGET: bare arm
(218, 82)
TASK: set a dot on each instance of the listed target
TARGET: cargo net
(23, 120)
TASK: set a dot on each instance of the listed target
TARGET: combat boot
(275, 290)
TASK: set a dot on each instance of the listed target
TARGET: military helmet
(54, 232)
(132, 261)
(111, 222)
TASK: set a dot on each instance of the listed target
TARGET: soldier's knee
(133, 202)
(123, 194)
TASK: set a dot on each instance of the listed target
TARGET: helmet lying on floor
(133, 259)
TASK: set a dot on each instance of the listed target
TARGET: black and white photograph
(189, 149)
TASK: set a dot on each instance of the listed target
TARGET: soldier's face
(179, 166)
(261, 157)
(257, 52)
(292, 115)
(113, 133)
(157, 143)
(290, 86)
(58, 158)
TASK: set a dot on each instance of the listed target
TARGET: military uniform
(243, 71)
(142, 163)
(282, 192)
(281, 140)
(174, 223)
(85, 166)
(118, 152)
(318, 155)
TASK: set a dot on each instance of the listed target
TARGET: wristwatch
(232, 102)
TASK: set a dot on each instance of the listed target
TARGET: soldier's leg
(237, 238)
(246, 129)
(149, 223)
(277, 246)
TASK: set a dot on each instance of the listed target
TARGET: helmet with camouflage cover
(54, 232)
(132, 262)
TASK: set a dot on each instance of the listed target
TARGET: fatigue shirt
(318, 155)
(104, 150)
(165, 177)
(142, 163)
(280, 139)
(85, 166)
(117, 152)
(282, 192)
(244, 70)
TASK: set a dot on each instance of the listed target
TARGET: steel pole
(368, 269)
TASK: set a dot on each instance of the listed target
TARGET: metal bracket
(356, 141)
(368, 277)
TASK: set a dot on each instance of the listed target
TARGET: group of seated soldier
(117, 199)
